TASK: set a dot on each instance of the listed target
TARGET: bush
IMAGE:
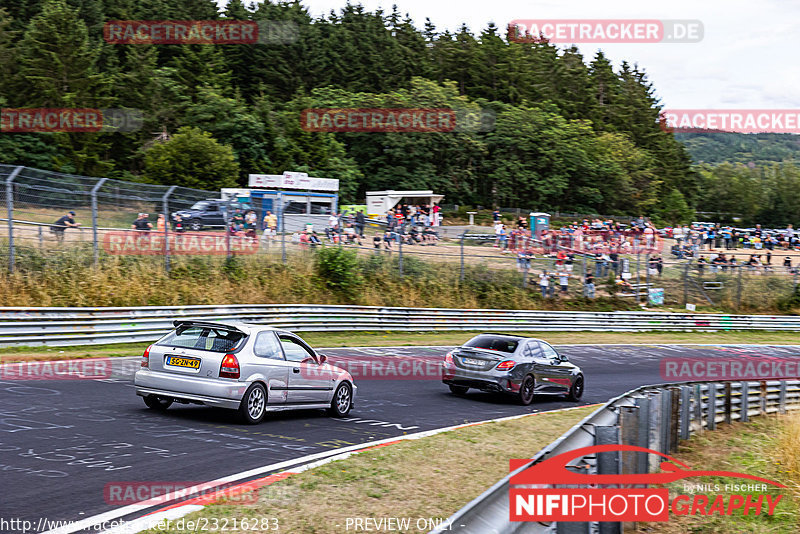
(339, 270)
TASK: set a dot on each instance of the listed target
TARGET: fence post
(167, 221)
(638, 280)
(10, 208)
(399, 254)
(95, 246)
(462, 255)
(739, 288)
(283, 236)
(686, 282)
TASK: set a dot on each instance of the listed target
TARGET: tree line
(570, 134)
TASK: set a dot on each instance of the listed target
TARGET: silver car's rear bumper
(195, 399)
(207, 391)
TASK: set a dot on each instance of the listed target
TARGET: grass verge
(412, 339)
(767, 446)
(430, 477)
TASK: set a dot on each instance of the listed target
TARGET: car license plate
(472, 361)
(183, 361)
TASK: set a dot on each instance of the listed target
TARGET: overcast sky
(746, 60)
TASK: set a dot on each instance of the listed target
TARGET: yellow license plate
(181, 361)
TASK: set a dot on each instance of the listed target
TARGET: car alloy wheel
(526, 390)
(342, 401)
(576, 391)
(254, 402)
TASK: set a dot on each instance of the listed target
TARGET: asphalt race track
(62, 441)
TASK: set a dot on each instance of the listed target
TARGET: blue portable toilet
(539, 224)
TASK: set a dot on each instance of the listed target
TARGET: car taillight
(229, 367)
(506, 365)
(146, 357)
(448, 358)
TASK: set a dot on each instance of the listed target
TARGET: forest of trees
(571, 133)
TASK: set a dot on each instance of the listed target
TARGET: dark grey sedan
(516, 365)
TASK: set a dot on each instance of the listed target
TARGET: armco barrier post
(686, 402)
(744, 405)
(711, 423)
(95, 245)
(608, 463)
(674, 418)
(167, 222)
(10, 210)
(782, 397)
(763, 398)
(629, 435)
(643, 437)
(664, 420)
(698, 406)
(728, 404)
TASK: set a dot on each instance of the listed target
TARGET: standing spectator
(160, 223)
(788, 234)
(360, 222)
(677, 233)
(250, 219)
(142, 224)
(270, 222)
(60, 226)
(787, 263)
(435, 210)
(179, 224)
(563, 281)
(588, 286)
(544, 282)
(701, 264)
(496, 216)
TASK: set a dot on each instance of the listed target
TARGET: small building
(380, 202)
(290, 193)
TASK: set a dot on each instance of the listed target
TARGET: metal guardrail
(656, 417)
(84, 326)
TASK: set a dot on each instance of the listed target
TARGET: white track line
(302, 463)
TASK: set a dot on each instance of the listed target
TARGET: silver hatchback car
(250, 368)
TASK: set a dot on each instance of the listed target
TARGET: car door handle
(295, 369)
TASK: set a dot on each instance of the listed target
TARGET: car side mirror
(322, 358)
(563, 358)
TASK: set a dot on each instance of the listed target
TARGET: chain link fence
(559, 267)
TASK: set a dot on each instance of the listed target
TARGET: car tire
(254, 404)
(195, 225)
(342, 401)
(576, 390)
(458, 390)
(526, 388)
(154, 402)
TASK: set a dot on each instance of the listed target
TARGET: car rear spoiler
(219, 326)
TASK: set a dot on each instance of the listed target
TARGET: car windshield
(203, 338)
(500, 344)
(199, 206)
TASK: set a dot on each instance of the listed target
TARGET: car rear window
(203, 338)
(500, 344)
